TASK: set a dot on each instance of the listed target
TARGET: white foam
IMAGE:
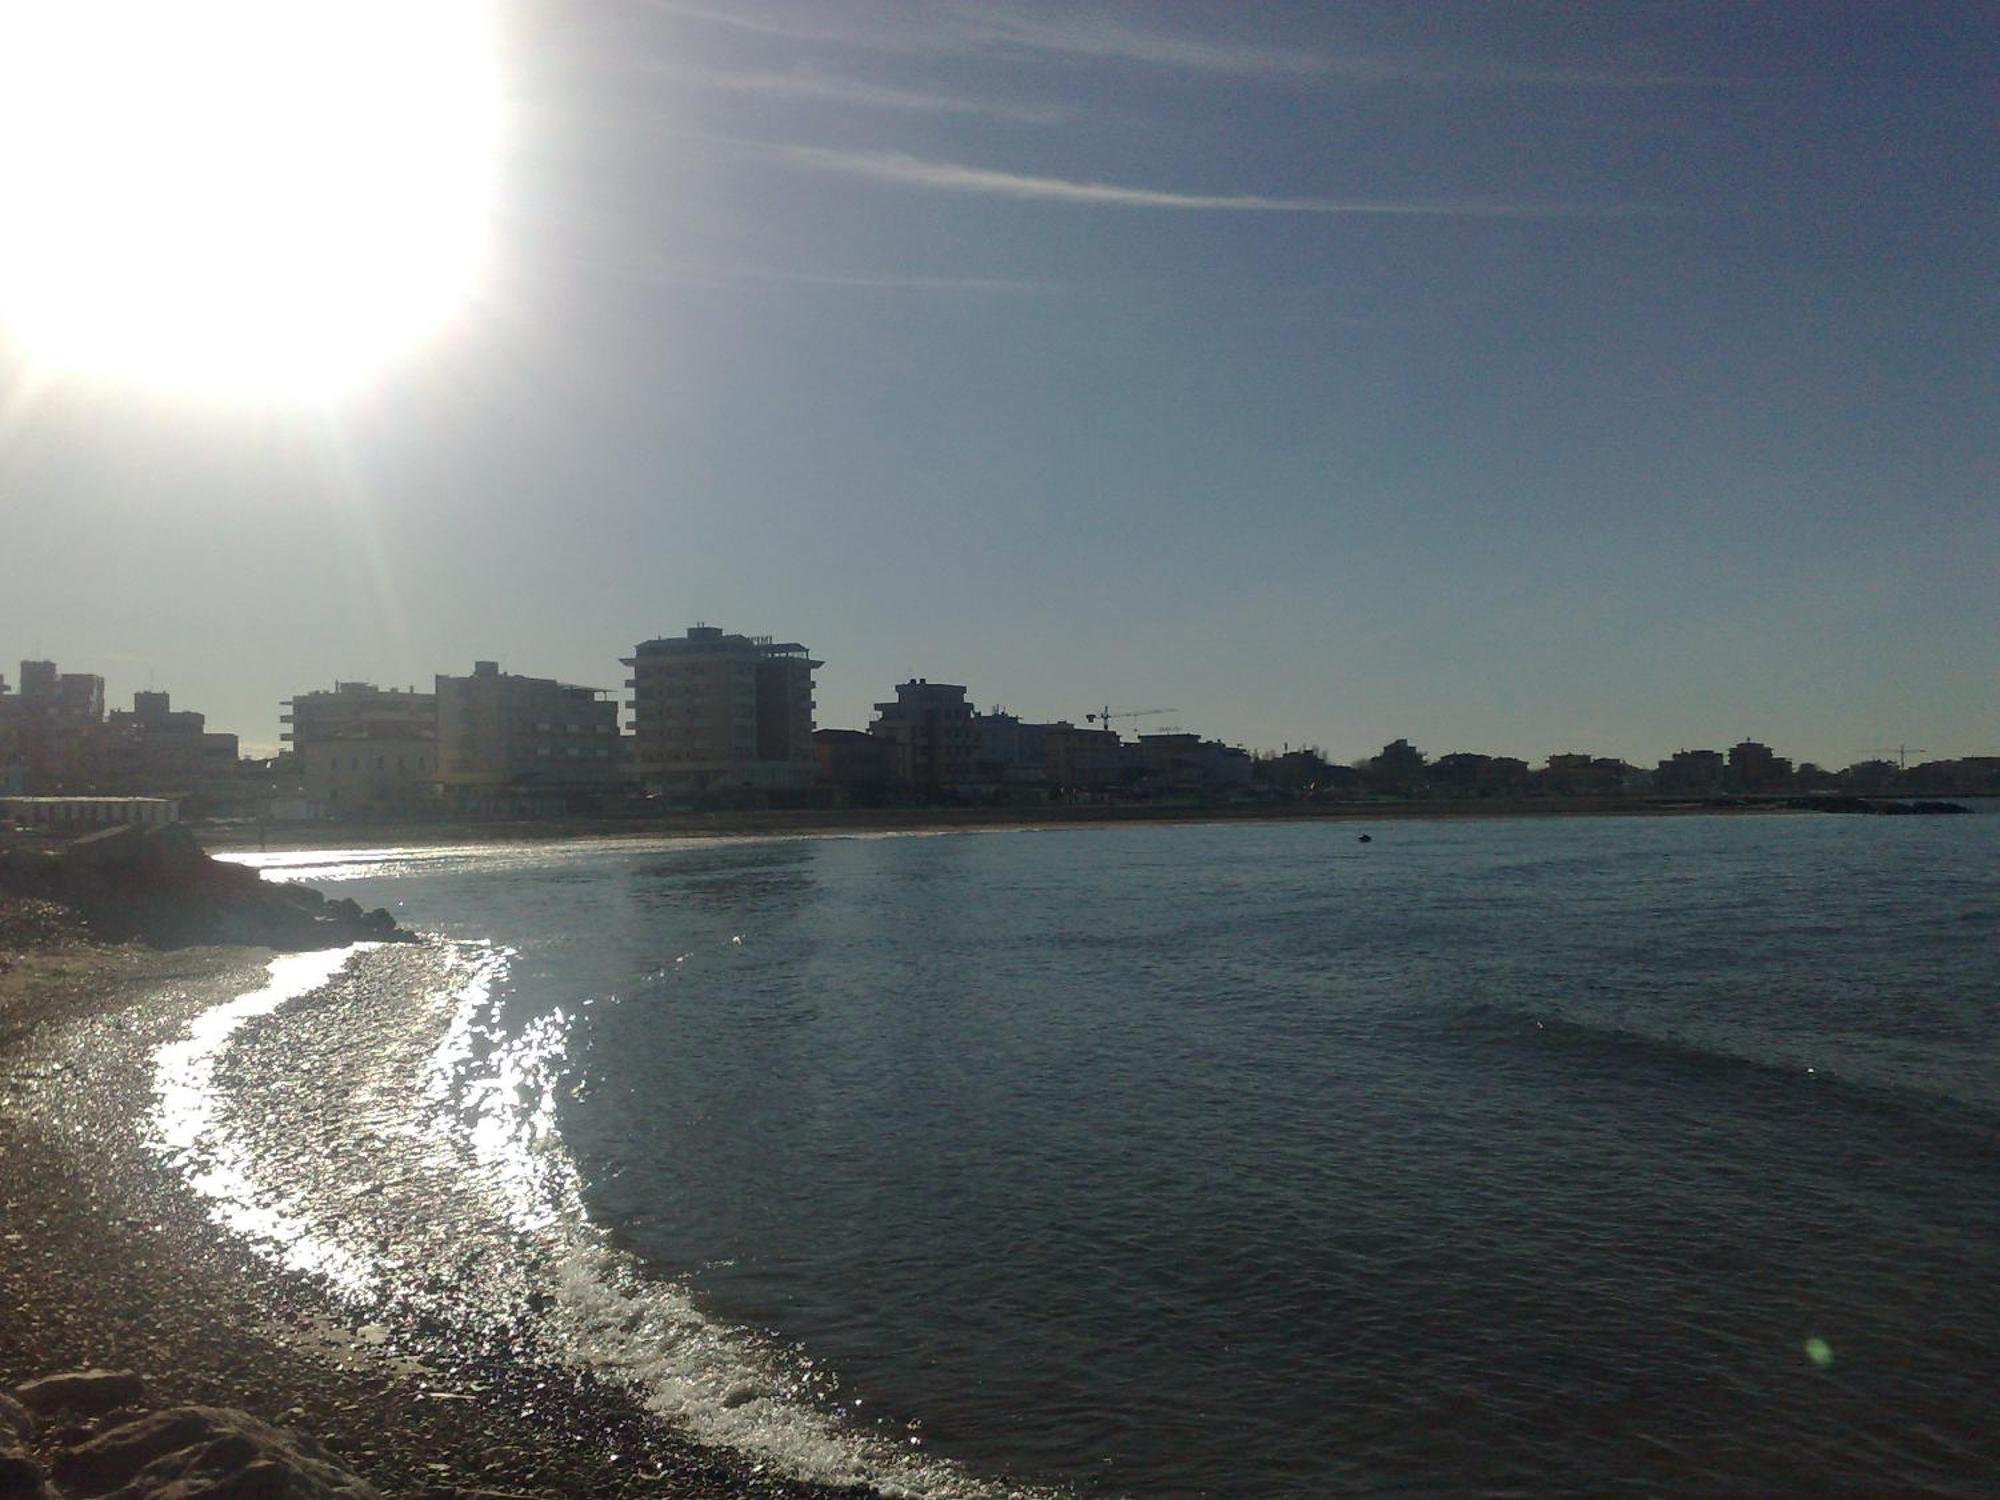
(191, 1131)
(494, 1095)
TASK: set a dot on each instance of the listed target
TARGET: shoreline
(107, 1258)
(241, 837)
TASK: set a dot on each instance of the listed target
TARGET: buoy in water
(1366, 838)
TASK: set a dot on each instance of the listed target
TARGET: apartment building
(52, 728)
(934, 739)
(154, 746)
(364, 751)
(510, 744)
(715, 712)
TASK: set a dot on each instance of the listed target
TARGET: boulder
(107, 849)
(21, 1478)
(171, 846)
(87, 1392)
(206, 1453)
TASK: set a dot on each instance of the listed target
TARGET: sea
(1487, 1157)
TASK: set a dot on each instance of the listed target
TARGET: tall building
(511, 744)
(712, 712)
(364, 751)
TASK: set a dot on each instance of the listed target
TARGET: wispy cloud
(1081, 33)
(831, 89)
(903, 170)
(1084, 33)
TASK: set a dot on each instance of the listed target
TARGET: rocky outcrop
(87, 1392)
(93, 1438)
(155, 885)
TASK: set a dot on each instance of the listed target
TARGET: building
(1755, 768)
(364, 751)
(154, 746)
(524, 745)
(51, 730)
(714, 712)
(1085, 760)
(1699, 771)
(80, 814)
(1188, 763)
(933, 740)
(858, 766)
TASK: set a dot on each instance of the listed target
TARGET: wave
(1705, 1059)
(491, 1097)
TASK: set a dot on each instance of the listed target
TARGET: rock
(206, 1453)
(17, 1423)
(85, 1391)
(109, 848)
(172, 847)
(20, 1475)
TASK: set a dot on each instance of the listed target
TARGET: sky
(1526, 378)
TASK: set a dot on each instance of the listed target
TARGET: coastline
(106, 1258)
(240, 837)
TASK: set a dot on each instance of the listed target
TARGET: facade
(364, 751)
(714, 712)
(51, 729)
(1756, 768)
(1189, 763)
(933, 740)
(858, 766)
(511, 744)
(1691, 771)
(154, 746)
(73, 814)
(1084, 760)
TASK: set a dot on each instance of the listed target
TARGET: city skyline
(1122, 721)
(1519, 381)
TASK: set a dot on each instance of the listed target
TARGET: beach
(108, 1260)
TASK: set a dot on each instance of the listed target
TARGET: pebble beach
(107, 1259)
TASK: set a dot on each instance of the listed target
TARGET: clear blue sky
(1521, 378)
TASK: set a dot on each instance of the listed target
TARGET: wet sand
(107, 1259)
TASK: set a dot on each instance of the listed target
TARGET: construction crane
(1104, 715)
(1901, 752)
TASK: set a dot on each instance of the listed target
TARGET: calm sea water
(1510, 1157)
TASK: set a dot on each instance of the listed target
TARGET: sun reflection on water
(191, 1129)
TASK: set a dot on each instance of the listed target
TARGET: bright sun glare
(244, 198)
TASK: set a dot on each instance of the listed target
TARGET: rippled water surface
(1488, 1157)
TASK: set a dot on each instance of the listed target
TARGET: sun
(241, 198)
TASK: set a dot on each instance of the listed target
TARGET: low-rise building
(81, 814)
(1691, 771)
(1184, 762)
(859, 767)
(155, 747)
(1085, 761)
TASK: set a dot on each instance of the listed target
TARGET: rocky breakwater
(157, 886)
(91, 1433)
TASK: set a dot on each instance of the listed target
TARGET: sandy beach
(107, 1259)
